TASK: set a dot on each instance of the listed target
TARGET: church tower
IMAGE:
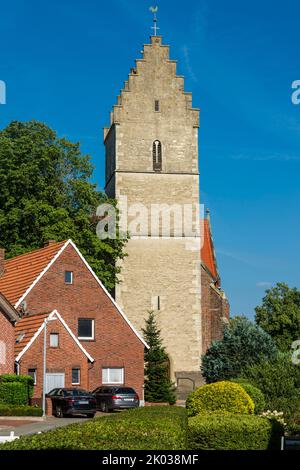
(152, 171)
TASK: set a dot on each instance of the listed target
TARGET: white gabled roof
(53, 316)
(70, 242)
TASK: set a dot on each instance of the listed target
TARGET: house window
(157, 106)
(86, 329)
(68, 277)
(76, 376)
(32, 373)
(157, 156)
(113, 375)
(54, 340)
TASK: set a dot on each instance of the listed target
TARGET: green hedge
(228, 431)
(13, 393)
(150, 428)
(255, 393)
(11, 410)
(219, 396)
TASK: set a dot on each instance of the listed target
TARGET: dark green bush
(256, 395)
(150, 428)
(13, 393)
(13, 410)
(219, 396)
(279, 381)
(227, 431)
(26, 380)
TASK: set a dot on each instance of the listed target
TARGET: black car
(72, 401)
(115, 398)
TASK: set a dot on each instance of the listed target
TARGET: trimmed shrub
(220, 396)
(225, 431)
(13, 393)
(11, 410)
(26, 380)
(254, 393)
(151, 428)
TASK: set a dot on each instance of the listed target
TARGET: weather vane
(154, 10)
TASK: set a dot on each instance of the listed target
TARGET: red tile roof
(207, 250)
(21, 271)
(27, 326)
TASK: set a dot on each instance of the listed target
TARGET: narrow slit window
(157, 106)
(157, 156)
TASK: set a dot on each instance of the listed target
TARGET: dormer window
(157, 156)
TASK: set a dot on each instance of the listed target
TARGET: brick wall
(215, 309)
(115, 343)
(6, 345)
(68, 355)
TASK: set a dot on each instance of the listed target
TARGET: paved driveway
(26, 427)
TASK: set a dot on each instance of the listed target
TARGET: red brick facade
(215, 310)
(115, 345)
(7, 342)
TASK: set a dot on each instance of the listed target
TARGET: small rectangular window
(54, 340)
(68, 277)
(76, 376)
(32, 373)
(86, 328)
(113, 375)
(157, 107)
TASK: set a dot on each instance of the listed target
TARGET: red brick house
(215, 306)
(8, 317)
(58, 278)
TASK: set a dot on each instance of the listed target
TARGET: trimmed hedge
(16, 389)
(151, 428)
(229, 431)
(254, 393)
(11, 410)
(220, 396)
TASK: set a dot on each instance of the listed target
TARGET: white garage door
(54, 381)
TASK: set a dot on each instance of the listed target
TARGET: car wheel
(90, 415)
(104, 407)
(58, 412)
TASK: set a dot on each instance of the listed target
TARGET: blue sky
(65, 61)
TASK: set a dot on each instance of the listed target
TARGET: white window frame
(72, 277)
(93, 330)
(79, 376)
(108, 375)
(34, 377)
(51, 336)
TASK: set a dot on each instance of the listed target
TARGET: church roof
(208, 257)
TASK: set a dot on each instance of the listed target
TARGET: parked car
(115, 398)
(72, 401)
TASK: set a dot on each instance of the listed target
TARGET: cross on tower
(154, 10)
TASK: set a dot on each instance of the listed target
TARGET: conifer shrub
(220, 396)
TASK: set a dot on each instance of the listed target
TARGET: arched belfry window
(157, 156)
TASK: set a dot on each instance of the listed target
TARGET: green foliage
(279, 315)
(279, 380)
(254, 393)
(244, 343)
(13, 393)
(150, 428)
(158, 387)
(225, 431)
(219, 396)
(26, 380)
(46, 193)
(15, 410)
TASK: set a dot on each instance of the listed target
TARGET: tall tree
(279, 315)
(46, 193)
(244, 343)
(158, 387)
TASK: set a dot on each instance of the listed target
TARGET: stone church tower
(152, 171)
